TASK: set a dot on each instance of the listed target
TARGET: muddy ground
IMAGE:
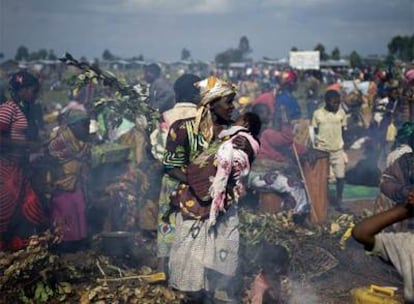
(355, 269)
(320, 272)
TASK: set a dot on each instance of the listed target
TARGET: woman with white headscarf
(193, 244)
(185, 140)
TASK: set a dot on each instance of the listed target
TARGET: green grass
(357, 192)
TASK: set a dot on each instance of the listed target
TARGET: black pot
(116, 243)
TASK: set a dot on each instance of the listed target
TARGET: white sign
(305, 60)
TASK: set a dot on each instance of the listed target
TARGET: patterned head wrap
(211, 88)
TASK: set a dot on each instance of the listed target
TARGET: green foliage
(185, 54)
(39, 55)
(107, 55)
(138, 58)
(43, 292)
(234, 55)
(51, 55)
(244, 45)
(322, 53)
(336, 54)
(294, 49)
(22, 53)
(389, 61)
(402, 47)
(30, 274)
(355, 59)
(126, 101)
(230, 55)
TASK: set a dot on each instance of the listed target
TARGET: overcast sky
(160, 29)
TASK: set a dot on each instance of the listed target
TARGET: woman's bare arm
(364, 232)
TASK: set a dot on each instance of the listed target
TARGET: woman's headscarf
(211, 89)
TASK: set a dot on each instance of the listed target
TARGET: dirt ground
(321, 272)
(355, 269)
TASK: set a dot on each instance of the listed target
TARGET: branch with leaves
(127, 101)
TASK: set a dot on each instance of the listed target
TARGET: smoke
(301, 294)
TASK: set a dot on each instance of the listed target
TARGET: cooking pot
(116, 243)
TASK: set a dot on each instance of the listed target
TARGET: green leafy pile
(36, 275)
(32, 275)
(126, 101)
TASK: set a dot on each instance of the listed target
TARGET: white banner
(304, 60)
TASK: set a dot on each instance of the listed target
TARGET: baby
(214, 177)
(233, 162)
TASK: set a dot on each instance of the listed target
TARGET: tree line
(399, 47)
(23, 53)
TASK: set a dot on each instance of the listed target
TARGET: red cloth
(276, 144)
(16, 192)
(267, 99)
(20, 208)
(18, 243)
(13, 120)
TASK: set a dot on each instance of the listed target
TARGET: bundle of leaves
(274, 228)
(137, 292)
(125, 101)
(34, 274)
(280, 229)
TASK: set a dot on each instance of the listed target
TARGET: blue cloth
(289, 102)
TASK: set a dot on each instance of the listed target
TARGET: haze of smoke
(303, 294)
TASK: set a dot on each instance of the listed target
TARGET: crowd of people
(217, 138)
